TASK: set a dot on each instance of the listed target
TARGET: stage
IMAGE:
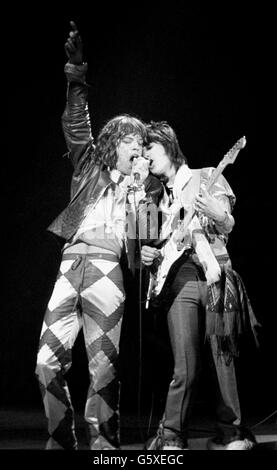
(26, 430)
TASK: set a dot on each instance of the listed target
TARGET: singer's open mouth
(133, 157)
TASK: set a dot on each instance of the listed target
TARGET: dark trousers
(186, 326)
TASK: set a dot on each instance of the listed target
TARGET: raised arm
(75, 118)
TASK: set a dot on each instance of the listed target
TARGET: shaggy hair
(160, 132)
(111, 135)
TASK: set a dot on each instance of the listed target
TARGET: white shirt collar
(115, 175)
(183, 175)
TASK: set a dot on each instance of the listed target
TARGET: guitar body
(171, 251)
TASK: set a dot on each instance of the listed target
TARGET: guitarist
(203, 297)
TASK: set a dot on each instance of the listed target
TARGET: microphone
(139, 172)
(135, 185)
(136, 177)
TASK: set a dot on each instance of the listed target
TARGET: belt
(92, 252)
(84, 249)
(104, 256)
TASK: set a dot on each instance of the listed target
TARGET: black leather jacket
(89, 181)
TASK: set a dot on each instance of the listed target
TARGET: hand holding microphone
(139, 173)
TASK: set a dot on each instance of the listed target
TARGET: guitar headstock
(233, 152)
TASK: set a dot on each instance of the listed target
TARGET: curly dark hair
(111, 135)
(161, 132)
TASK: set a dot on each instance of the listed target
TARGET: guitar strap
(192, 188)
(184, 194)
(199, 241)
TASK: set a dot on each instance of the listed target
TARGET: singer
(204, 319)
(89, 291)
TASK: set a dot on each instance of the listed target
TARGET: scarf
(229, 313)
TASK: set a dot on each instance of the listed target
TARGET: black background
(207, 71)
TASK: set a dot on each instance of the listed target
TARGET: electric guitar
(176, 245)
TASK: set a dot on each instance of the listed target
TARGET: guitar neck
(215, 175)
(228, 158)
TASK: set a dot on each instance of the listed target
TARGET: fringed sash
(229, 313)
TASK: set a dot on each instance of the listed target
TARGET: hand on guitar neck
(209, 206)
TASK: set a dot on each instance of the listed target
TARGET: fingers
(146, 260)
(73, 26)
(74, 34)
(148, 254)
(70, 45)
(199, 209)
(150, 250)
(199, 203)
(73, 45)
(74, 37)
(147, 263)
(198, 198)
(146, 257)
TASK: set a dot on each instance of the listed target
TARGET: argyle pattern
(88, 294)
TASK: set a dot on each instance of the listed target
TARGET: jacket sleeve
(75, 119)
(223, 192)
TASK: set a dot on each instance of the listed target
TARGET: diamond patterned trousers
(88, 294)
